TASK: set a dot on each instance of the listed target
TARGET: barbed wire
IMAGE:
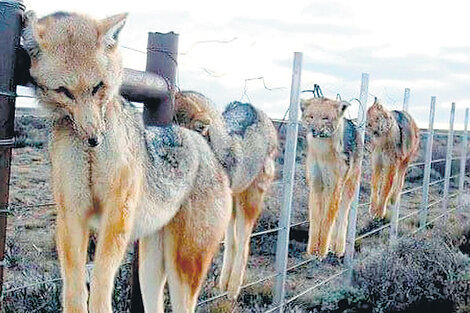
(359, 237)
(210, 41)
(265, 86)
(245, 93)
(317, 92)
(172, 55)
(261, 280)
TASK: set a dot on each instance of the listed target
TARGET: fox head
(379, 121)
(190, 114)
(322, 116)
(76, 67)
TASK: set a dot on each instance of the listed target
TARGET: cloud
(401, 44)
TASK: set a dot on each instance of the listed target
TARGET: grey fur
(241, 138)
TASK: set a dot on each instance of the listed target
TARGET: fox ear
(377, 104)
(343, 105)
(110, 28)
(32, 33)
(304, 104)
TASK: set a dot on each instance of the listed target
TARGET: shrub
(415, 272)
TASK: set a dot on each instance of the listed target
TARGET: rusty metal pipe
(136, 86)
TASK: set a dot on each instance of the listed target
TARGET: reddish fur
(193, 110)
(331, 179)
(187, 254)
(191, 256)
(251, 205)
(390, 159)
(71, 56)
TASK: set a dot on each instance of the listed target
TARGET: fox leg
(315, 212)
(341, 224)
(113, 237)
(332, 199)
(375, 187)
(399, 182)
(229, 250)
(390, 173)
(190, 241)
(72, 242)
(152, 272)
(249, 211)
(187, 260)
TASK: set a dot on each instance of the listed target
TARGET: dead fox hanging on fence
(163, 185)
(393, 139)
(244, 141)
(333, 170)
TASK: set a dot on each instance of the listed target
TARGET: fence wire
(15, 206)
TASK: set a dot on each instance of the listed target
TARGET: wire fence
(454, 187)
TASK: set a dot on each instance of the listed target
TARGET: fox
(117, 178)
(333, 171)
(244, 141)
(392, 137)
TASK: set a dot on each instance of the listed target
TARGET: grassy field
(31, 257)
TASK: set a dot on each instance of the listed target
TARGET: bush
(31, 131)
(414, 273)
(335, 298)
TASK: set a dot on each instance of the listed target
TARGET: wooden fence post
(162, 51)
(11, 15)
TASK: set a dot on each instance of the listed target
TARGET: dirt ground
(31, 257)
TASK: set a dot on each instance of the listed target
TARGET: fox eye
(325, 118)
(97, 88)
(65, 91)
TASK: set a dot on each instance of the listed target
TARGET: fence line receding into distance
(283, 296)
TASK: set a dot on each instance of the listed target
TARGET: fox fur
(113, 176)
(244, 141)
(393, 139)
(333, 170)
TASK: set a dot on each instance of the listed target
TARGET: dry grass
(31, 256)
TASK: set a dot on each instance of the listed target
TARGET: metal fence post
(395, 209)
(448, 170)
(427, 166)
(395, 212)
(11, 13)
(282, 249)
(162, 51)
(406, 99)
(352, 218)
(463, 161)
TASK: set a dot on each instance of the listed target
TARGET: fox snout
(89, 124)
(92, 138)
(322, 133)
(93, 142)
(91, 133)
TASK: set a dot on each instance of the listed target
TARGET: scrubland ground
(428, 269)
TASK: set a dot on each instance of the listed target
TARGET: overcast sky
(421, 45)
